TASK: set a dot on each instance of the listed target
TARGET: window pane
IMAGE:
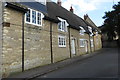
(81, 42)
(34, 17)
(28, 16)
(64, 25)
(59, 41)
(39, 18)
(64, 42)
(59, 26)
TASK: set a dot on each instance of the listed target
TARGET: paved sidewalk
(48, 68)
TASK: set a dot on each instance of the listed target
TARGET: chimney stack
(59, 2)
(71, 9)
(85, 17)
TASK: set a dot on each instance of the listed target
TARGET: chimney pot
(85, 17)
(71, 9)
(59, 2)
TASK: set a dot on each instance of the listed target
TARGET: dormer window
(90, 29)
(82, 31)
(62, 26)
(33, 17)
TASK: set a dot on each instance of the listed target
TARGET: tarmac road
(103, 65)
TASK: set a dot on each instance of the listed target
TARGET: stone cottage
(96, 33)
(35, 35)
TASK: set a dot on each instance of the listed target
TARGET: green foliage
(112, 22)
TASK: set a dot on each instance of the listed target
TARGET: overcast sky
(94, 8)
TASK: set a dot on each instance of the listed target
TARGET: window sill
(62, 46)
(81, 34)
(32, 24)
(61, 31)
(82, 46)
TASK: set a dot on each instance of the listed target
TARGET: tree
(112, 22)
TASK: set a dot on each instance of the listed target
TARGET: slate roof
(25, 5)
(35, 5)
(54, 11)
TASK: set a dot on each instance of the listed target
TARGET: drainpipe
(69, 41)
(51, 42)
(23, 43)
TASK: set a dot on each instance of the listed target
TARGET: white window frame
(96, 33)
(34, 19)
(26, 17)
(90, 29)
(92, 43)
(63, 42)
(62, 28)
(31, 18)
(83, 43)
(82, 31)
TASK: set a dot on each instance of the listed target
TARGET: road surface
(102, 65)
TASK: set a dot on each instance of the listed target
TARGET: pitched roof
(91, 23)
(25, 5)
(55, 11)
(52, 11)
(35, 5)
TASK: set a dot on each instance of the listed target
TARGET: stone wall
(97, 42)
(59, 53)
(82, 49)
(12, 41)
(74, 34)
(1, 21)
(37, 45)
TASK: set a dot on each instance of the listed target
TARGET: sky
(94, 8)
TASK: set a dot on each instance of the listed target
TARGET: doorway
(73, 50)
(86, 46)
